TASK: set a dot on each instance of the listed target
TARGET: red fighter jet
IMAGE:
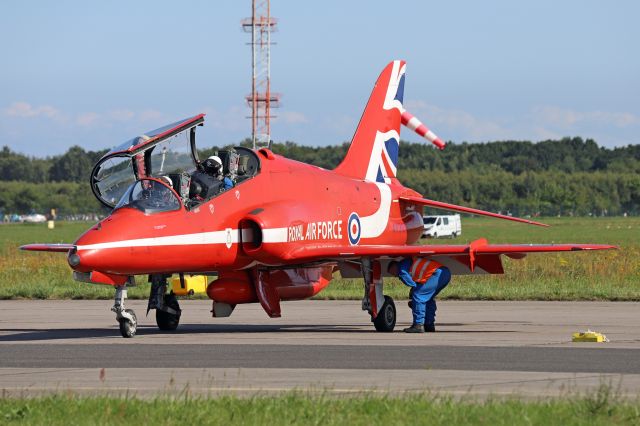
(280, 232)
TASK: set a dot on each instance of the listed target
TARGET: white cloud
(609, 128)
(542, 133)
(148, 115)
(118, 117)
(87, 119)
(233, 119)
(26, 110)
(292, 117)
(462, 122)
(121, 115)
(568, 118)
(342, 125)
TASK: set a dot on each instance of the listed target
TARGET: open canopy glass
(167, 150)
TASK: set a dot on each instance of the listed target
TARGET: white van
(442, 226)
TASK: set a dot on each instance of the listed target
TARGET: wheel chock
(589, 336)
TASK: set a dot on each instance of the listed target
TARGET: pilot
(213, 166)
(426, 278)
(208, 181)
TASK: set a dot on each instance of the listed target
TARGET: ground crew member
(426, 278)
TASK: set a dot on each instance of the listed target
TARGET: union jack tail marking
(373, 153)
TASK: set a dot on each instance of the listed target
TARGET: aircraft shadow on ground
(26, 335)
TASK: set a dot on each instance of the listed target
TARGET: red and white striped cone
(416, 125)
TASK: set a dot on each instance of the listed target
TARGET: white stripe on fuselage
(272, 235)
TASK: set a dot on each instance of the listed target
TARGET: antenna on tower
(261, 100)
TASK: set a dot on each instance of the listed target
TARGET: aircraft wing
(456, 208)
(462, 259)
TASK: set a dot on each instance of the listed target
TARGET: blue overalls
(423, 296)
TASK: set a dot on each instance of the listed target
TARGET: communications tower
(261, 100)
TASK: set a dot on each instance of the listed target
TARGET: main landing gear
(166, 304)
(380, 306)
(386, 318)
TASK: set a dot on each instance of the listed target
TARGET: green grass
(41, 275)
(605, 275)
(297, 408)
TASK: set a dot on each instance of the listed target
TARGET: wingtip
(596, 247)
(609, 247)
(529, 222)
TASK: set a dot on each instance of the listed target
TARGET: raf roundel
(354, 228)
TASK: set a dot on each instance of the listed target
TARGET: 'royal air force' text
(325, 230)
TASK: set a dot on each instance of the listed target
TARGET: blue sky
(97, 73)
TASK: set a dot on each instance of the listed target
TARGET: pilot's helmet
(167, 180)
(212, 165)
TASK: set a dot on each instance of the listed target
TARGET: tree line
(570, 176)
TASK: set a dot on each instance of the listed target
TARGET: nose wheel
(128, 326)
(126, 317)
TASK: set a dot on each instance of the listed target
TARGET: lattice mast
(261, 99)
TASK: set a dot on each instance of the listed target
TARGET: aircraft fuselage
(292, 204)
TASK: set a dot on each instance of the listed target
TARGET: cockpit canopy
(121, 177)
(149, 196)
(169, 149)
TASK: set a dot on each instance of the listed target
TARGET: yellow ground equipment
(589, 336)
(192, 284)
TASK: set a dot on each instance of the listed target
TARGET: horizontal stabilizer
(61, 248)
(462, 209)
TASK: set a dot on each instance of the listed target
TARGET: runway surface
(521, 348)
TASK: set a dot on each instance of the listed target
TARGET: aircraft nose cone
(73, 259)
(81, 259)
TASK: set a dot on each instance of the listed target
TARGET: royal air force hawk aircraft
(281, 232)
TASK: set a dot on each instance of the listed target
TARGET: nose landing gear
(125, 317)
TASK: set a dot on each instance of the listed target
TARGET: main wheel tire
(385, 321)
(167, 321)
(128, 328)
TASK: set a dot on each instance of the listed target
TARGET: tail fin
(373, 153)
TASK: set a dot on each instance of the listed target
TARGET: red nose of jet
(130, 242)
(102, 247)
(82, 260)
